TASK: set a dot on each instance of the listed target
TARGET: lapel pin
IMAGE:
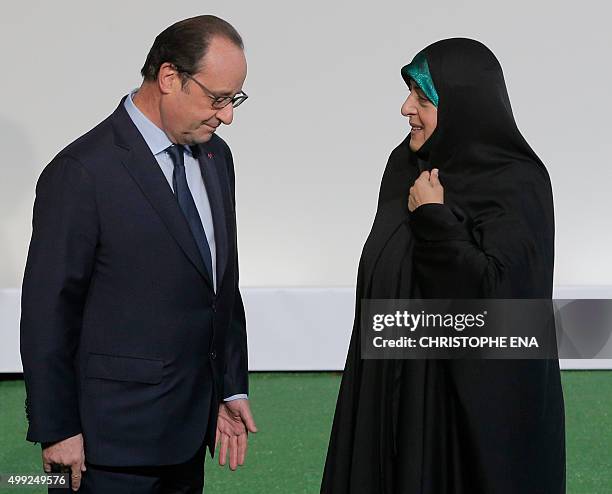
(210, 156)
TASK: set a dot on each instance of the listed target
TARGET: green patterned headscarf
(418, 71)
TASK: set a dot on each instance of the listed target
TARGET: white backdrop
(311, 143)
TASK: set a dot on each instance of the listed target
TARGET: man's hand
(68, 453)
(234, 423)
(426, 190)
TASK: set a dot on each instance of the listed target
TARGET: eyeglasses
(218, 102)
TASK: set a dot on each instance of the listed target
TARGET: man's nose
(226, 114)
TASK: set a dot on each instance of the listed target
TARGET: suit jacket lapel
(144, 169)
(212, 167)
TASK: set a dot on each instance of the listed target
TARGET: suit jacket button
(213, 355)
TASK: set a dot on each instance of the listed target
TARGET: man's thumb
(248, 421)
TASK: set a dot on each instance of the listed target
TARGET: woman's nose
(408, 107)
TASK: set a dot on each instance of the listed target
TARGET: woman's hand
(426, 190)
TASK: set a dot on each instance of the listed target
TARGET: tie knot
(176, 154)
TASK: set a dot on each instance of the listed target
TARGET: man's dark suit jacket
(122, 335)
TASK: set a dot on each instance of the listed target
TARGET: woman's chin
(415, 145)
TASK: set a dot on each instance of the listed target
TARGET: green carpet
(294, 412)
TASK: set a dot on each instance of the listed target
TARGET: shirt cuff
(236, 397)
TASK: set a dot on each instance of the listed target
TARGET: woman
(465, 211)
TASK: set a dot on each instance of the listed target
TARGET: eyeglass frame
(235, 100)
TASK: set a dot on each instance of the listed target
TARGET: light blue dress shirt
(158, 142)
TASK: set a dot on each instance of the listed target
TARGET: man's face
(187, 115)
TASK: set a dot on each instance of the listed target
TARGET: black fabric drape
(455, 426)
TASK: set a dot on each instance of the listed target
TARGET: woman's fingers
(411, 204)
(434, 179)
(424, 176)
(426, 189)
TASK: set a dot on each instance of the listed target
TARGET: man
(133, 336)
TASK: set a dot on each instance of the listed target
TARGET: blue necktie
(187, 204)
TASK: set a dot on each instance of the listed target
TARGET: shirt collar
(156, 138)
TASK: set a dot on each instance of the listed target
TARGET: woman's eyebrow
(419, 91)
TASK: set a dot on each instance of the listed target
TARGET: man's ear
(168, 78)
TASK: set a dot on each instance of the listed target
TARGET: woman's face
(422, 115)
